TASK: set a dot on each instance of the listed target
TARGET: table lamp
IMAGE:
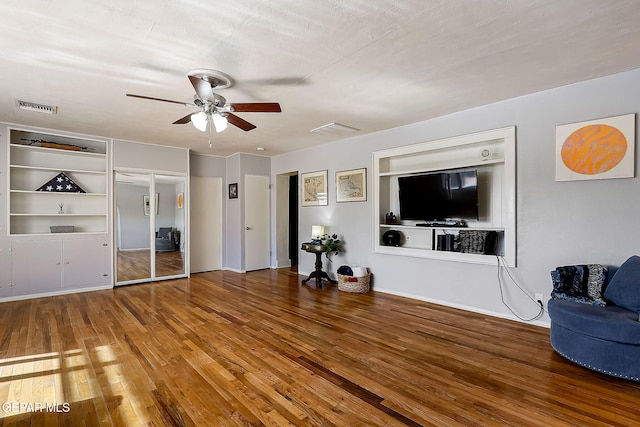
(317, 231)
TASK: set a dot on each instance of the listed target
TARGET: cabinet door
(36, 266)
(85, 263)
(5, 272)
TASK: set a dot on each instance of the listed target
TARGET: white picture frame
(314, 188)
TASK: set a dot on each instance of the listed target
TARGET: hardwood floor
(224, 349)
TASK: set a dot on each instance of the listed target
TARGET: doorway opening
(287, 244)
(293, 220)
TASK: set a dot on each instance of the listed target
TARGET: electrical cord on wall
(538, 303)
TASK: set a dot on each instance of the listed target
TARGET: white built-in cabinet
(5, 271)
(45, 266)
(492, 153)
(33, 259)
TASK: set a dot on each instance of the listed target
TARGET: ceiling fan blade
(256, 107)
(185, 119)
(203, 89)
(188, 104)
(241, 123)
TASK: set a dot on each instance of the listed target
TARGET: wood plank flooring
(226, 349)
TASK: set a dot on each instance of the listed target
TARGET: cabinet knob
(57, 263)
(67, 263)
(105, 244)
(11, 285)
(105, 275)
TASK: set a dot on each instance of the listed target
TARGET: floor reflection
(136, 265)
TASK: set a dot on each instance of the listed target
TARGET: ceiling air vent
(32, 106)
(334, 129)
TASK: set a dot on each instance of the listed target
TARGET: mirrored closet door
(150, 227)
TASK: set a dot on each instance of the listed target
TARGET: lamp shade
(199, 120)
(220, 122)
(317, 231)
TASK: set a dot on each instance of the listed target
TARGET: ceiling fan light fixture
(200, 120)
(220, 122)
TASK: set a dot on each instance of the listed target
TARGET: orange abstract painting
(594, 149)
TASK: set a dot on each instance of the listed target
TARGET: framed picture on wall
(233, 190)
(351, 185)
(147, 204)
(314, 189)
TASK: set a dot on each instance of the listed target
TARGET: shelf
(415, 227)
(57, 150)
(75, 233)
(434, 169)
(61, 193)
(440, 255)
(39, 168)
(56, 214)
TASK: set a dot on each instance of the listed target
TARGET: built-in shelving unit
(491, 153)
(66, 261)
(34, 159)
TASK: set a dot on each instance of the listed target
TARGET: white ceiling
(370, 64)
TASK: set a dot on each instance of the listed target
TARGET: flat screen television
(439, 196)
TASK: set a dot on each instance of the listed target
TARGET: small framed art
(233, 190)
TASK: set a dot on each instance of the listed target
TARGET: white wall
(233, 224)
(238, 166)
(558, 223)
(136, 155)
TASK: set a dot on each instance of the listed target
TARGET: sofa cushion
(610, 323)
(624, 288)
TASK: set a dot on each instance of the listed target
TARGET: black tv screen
(439, 196)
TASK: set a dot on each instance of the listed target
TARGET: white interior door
(206, 224)
(256, 220)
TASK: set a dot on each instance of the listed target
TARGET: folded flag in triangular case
(61, 183)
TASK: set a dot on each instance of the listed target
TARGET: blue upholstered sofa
(603, 336)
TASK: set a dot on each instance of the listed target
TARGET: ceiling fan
(214, 109)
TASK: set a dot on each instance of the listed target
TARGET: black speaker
(392, 238)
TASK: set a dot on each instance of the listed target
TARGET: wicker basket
(360, 285)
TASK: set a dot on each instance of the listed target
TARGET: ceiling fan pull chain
(210, 132)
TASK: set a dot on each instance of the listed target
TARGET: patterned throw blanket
(580, 283)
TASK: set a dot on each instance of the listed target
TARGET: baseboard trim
(540, 323)
(56, 293)
(279, 265)
(235, 270)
